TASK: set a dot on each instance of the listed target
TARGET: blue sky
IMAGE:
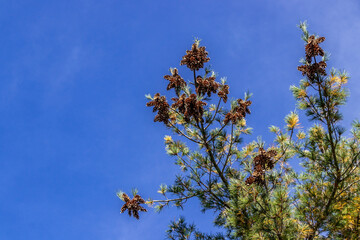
(74, 127)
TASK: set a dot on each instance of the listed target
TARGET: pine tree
(252, 188)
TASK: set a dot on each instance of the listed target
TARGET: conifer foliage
(251, 187)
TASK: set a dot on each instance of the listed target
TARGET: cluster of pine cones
(262, 162)
(312, 49)
(190, 106)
